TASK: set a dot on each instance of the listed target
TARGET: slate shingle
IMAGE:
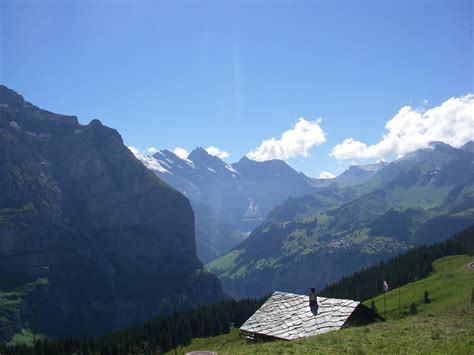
(289, 316)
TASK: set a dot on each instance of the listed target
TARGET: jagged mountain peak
(436, 148)
(10, 97)
(199, 153)
(442, 147)
(200, 149)
(95, 123)
(244, 159)
(200, 157)
(438, 144)
(170, 162)
(165, 153)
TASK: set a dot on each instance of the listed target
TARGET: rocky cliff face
(115, 243)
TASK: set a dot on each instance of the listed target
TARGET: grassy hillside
(25, 337)
(443, 326)
(448, 286)
(11, 304)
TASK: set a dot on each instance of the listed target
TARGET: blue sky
(231, 74)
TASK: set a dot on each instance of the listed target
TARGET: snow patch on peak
(153, 164)
(149, 161)
(230, 168)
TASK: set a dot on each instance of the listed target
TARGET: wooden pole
(399, 301)
(384, 305)
(414, 288)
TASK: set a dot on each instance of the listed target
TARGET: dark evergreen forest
(156, 336)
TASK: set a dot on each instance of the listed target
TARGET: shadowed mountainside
(111, 243)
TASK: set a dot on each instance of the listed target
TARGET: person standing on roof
(313, 298)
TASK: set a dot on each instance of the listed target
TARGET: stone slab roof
(289, 316)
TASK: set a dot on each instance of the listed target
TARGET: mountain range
(87, 233)
(320, 237)
(230, 200)
(99, 240)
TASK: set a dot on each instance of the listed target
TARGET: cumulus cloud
(452, 122)
(150, 162)
(326, 175)
(181, 152)
(294, 142)
(217, 152)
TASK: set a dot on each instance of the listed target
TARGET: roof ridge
(327, 298)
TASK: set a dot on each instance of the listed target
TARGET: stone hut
(289, 316)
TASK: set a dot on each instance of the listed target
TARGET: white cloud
(293, 142)
(150, 162)
(452, 122)
(152, 150)
(217, 152)
(181, 152)
(326, 175)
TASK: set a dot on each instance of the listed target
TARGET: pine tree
(165, 342)
(426, 298)
(373, 307)
(225, 326)
(216, 329)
